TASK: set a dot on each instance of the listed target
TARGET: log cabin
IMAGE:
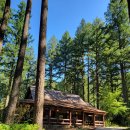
(62, 109)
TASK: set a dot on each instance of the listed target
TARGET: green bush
(108, 123)
(112, 103)
(19, 127)
(4, 127)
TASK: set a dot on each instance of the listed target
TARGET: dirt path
(119, 128)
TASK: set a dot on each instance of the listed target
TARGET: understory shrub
(117, 110)
(19, 127)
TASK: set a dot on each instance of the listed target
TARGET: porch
(71, 117)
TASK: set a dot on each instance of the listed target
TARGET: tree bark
(111, 81)
(39, 95)
(128, 1)
(51, 76)
(88, 78)
(124, 87)
(83, 80)
(19, 68)
(4, 22)
(65, 70)
(97, 75)
(122, 70)
(10, 84)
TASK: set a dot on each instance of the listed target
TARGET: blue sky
(64, 15)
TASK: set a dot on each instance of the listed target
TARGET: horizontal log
(64, 123)
(98, 121)
(79, 120)
(78, 123)
(99, 124)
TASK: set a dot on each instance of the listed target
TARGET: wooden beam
(83, 119)
(49, 121)
(57, 115)
(70, 116)
(94, 120)
(103, 120)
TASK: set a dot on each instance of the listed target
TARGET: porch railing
(62, 121)
(99, 123)
(68, 122)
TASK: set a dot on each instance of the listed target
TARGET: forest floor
(113, 128)
(107, 128)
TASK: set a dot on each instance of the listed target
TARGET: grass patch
(19, 127)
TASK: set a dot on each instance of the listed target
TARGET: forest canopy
(94, 64)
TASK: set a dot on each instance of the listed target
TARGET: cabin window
(99, 118)
(89, 118)
(63, 114)
(79, 115)
(53, 114)
(46, 112)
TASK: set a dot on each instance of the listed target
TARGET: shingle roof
(61, 99)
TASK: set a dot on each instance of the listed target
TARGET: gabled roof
(61, 99)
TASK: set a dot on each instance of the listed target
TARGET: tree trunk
(93, 92)
(88, 78)
(122, 70)
(83, 80)
(39, 95)
(10, 84)
(111, 81)
(74, 83)
(124, 87)
(128, 1)
(97, 79)
(65, 70)
(4, 22)
(51, 76)
(19, 68)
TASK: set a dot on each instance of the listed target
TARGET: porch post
(103, 120)
(70, 116)
(49, 120)
(57, 117)
(94, 119)
(83, 118)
